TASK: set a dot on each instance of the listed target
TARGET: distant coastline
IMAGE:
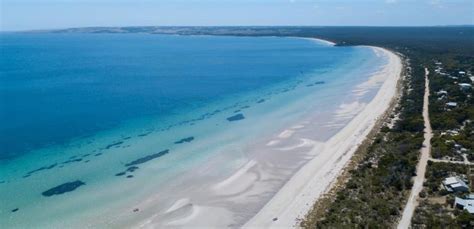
(326, 42)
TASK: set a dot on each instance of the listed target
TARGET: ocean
(95, 127)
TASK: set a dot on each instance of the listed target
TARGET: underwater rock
(40, 169)
(129, 169)
(113, 144)
(147, 158)
(236, 117)
(144, 134)
(120, 174)
(188, 139)
(63, 188)
(72, 161)
(315, 83)
(132, 169)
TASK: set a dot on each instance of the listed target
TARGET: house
(459, 148)
(455, 184)
(465, 204)
(442, 92)
(452, 104)
(453, 132)
(465, 86)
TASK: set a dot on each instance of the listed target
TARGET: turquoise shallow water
(81, 111)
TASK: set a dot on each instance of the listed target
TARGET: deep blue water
(55, 87)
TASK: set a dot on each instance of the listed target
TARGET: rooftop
(455, 184)
(452, 104)
(466, 204)
(450, 180)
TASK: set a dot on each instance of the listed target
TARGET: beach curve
(294, 200)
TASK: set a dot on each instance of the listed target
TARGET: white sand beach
(321, 41)
(299, 194)
(283, 175)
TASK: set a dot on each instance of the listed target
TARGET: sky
(51, 14)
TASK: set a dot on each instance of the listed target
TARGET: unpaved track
(421, 168)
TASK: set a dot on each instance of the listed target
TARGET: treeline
(378, 188)
(452, 141)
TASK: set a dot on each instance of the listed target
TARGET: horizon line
(230, 26)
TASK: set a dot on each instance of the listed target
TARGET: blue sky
(47, 14)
